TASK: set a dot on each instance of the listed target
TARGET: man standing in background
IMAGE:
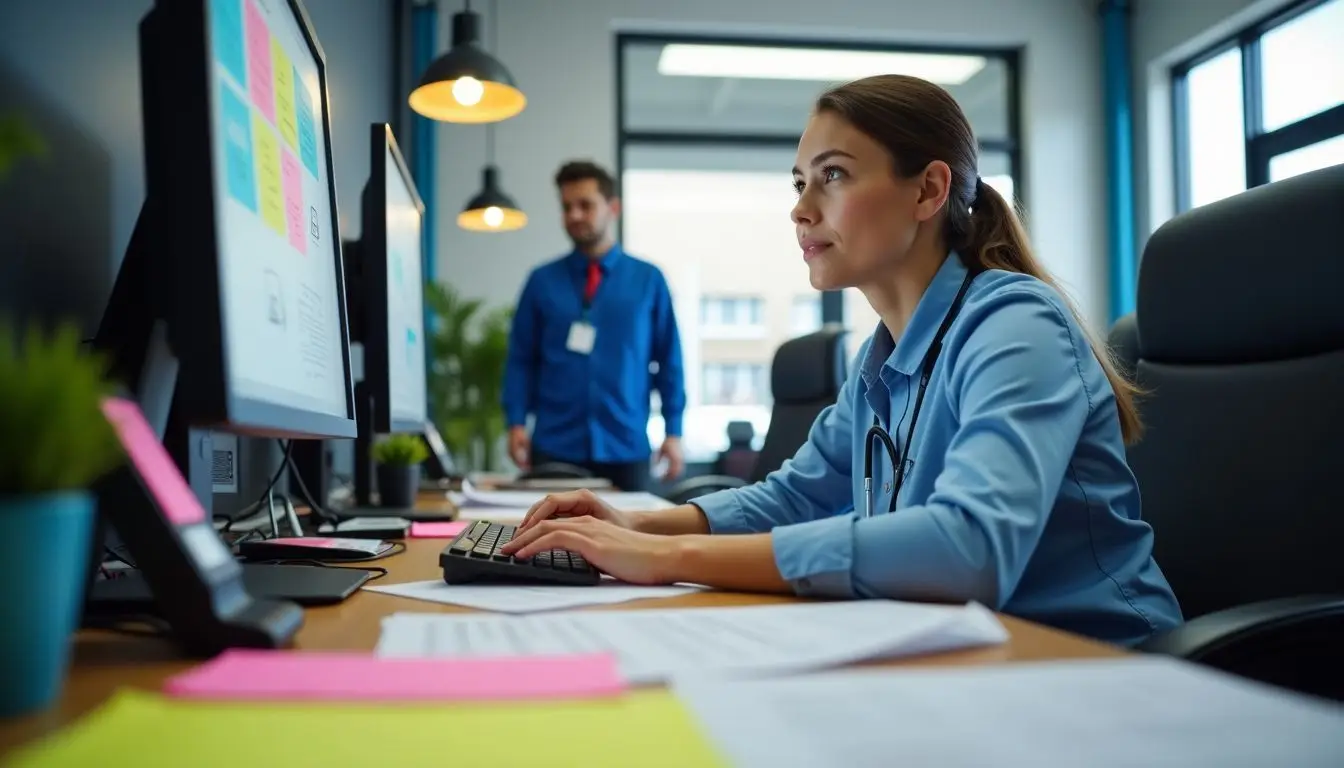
(593, 334)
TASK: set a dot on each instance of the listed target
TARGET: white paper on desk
(511, 598)
(660, 644)
(632, 502)
(1142, 711)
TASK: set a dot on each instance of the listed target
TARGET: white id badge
(582, 334)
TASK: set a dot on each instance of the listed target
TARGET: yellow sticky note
(267, 152)
(644, 728)
(285, 119)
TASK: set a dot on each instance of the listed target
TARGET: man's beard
(589, 238)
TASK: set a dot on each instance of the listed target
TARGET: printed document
(1145, 711)
(660, 644)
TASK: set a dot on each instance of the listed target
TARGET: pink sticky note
(153, 463)
(260, 675)
(259, 61)
(292, 180)
(447, 530)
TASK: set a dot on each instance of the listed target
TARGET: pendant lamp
(467, 84)
(491, 210)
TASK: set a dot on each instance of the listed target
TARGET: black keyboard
(474, 556)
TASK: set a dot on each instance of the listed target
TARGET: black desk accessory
(306, 585)
(195, 580)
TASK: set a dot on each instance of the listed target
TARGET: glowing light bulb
(468, 91)
(494, 216)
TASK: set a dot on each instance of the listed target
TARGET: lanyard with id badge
(582, 334)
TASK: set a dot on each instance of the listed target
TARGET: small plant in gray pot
(398, 472)
(54, 444)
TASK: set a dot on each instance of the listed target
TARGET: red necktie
(594, 279)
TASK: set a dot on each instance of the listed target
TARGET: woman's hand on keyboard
(582, 503)
(632, 557)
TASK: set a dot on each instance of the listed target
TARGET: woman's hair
(918, 122)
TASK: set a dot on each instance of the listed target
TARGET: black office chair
(739, 460)
(805, 377)
(555, 470)
(1239, 340)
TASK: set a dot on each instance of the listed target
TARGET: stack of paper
(657, 645)
(506, 598)
(472, 496)
(1137, 711)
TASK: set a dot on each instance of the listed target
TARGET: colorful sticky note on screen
(292, 181)
(258, 675)
(266, 148)
(429, 530)
(259, 75)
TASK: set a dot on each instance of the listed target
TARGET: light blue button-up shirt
(1017, 491)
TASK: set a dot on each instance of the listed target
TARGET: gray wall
(562, 55)
(73, 66)
(1164, 33)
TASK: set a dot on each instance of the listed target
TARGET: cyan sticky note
(235, 131)
(226, 34)
(303, 107)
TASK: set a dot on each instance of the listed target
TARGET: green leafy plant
(400, 450)
(53, 435)
(468, 347)
(18, 139)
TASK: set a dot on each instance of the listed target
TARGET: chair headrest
(1252, 277)
(740, 433)
(1124, 343)
(810, 367)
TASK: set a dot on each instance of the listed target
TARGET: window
(732, 318)
(805, 315)
(1263, 106)
(708, 132)
(736, 384)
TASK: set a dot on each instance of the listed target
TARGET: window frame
(1259, 146)
(832, 302)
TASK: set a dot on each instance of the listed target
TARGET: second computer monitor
(393, 288)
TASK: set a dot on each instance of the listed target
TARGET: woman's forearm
(677, 521)
(744, 563)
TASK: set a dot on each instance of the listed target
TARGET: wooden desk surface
(104, 661)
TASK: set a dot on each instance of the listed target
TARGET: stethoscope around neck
(899, 458)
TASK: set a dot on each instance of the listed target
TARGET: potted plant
(468, 348)
(398, 458)
(54, 443)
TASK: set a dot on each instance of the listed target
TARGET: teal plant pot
(42, 594)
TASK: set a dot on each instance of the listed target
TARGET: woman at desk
(977, 449)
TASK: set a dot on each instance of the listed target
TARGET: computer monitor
(384, 275)
(394, 330)
(233, 279)
(228, 311)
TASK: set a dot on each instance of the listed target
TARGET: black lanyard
(876, 431)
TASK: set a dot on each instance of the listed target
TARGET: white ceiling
(655, 102)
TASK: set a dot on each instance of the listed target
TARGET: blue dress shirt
(1017, 493)
(595, 406)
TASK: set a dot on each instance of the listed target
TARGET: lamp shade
(467, 84)
(491, 210)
